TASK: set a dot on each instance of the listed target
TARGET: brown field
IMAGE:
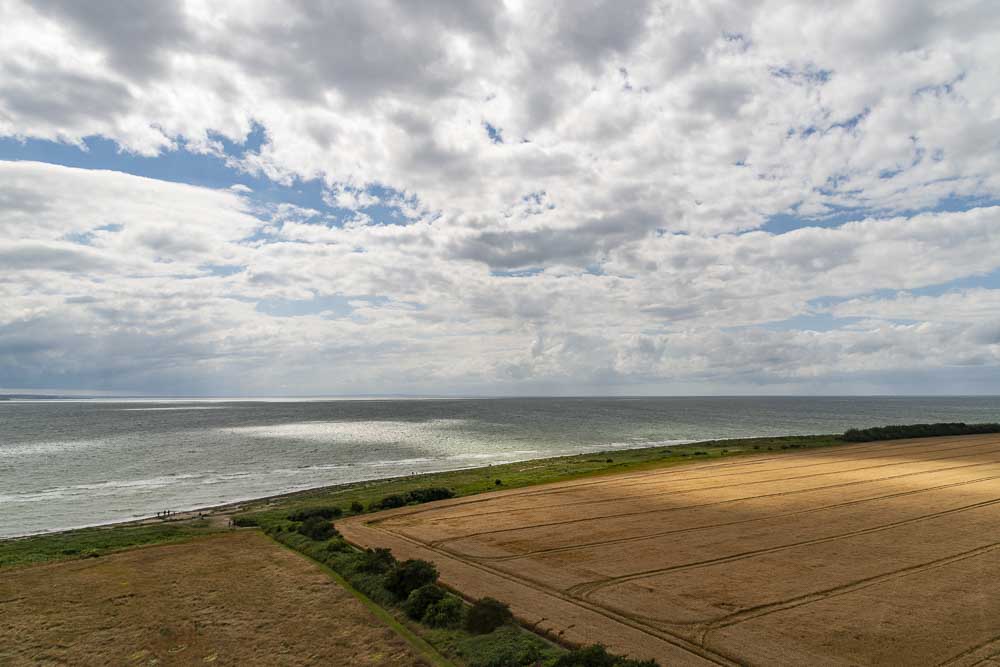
(233, 599)
(870, 554)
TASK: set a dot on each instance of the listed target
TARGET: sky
(499, 198)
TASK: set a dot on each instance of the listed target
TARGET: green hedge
(412, 497)
(899, 431)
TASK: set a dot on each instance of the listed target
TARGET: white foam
(96, 488)
(47, 447)
(374, 432)
(185, 407)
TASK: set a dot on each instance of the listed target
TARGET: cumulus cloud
(572, 197)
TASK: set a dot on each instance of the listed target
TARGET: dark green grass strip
(94, 542)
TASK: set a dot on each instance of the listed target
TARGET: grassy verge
(525, 473)
(94, 542)
(369, 578)
(425, 649)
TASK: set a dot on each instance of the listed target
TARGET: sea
(73, 463)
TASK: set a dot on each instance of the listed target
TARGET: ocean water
(66, 464)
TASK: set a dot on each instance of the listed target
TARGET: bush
(387, 503)
(317, 528)
(410, 575)
(321, 512)
(597, 656)
(357, 507)
(897, 431)
(245, 522)
(486, 615)
(418, 602)
(415, 496)
(507, 647)
(445, 613)
(429, 494)
(376, 561)
(337, 546)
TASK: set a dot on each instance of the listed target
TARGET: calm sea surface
(66, 464)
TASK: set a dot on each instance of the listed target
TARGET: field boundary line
(664, 635)
(419, 644)
(934, 446)
(709, 504)
(639, 538)
(588, 588)
(819, 596)
(705, 488)
(641, 476)
(759, 459)
(975, 655)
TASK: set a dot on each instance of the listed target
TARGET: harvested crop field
(232, 599)
(876, 554)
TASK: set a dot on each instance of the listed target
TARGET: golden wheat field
(877, 554)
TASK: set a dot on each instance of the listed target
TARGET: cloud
(621, 234)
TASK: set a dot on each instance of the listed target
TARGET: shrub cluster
(447, 612)
(414, 497)
(486, 615)
(598, 656)
(429, 494)
(387, 503)
(432, 605)
(408, 576)
(506, 647)
(897, 431)
(317, 528)
(494, 640)
(422, 599)
(376, 561)
(321, 512)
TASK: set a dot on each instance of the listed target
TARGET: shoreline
(478, 479)
(235, 506)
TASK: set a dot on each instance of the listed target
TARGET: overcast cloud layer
(491, 198)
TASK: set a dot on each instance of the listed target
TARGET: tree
(446, 613)
(421, 599)
(486, 615)
(410, 575)
(597, 656)
(317, 528)
(376, 561)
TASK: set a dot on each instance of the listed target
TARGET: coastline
(213, 513)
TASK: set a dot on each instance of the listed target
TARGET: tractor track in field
(660, 477)
(639, 538)
(564, 522)
(673, 639)
(568, 487)
(588, 588)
